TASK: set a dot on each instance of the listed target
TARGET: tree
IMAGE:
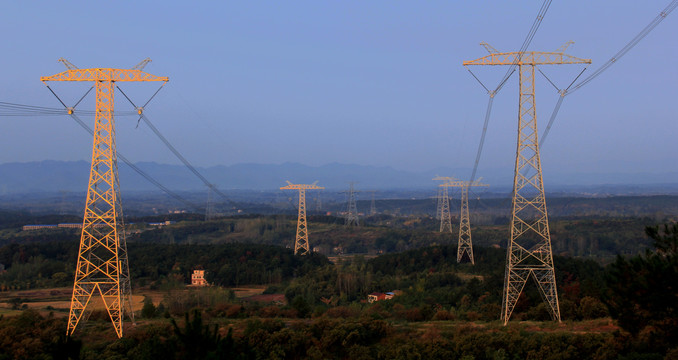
(196, 339)
(148, 311)
(301, 306)
(643, 290)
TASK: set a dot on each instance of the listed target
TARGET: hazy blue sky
(360, 82)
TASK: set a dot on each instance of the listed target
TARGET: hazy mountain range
(52, 176)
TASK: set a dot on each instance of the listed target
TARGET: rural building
(375, 296)
(198, 278)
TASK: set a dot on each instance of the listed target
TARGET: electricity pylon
(301, 242)
(444, 204)
(102, 259)
(352, 208)
(373, 204)
(319, 203)
(529, 248)
(465, 245)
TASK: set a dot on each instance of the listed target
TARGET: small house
(198, 278)
(375, 296)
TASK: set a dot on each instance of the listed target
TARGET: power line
(14, 109)
(509, 72)
(641, 35)
(171, 147)
(528, 39)
(138, 170)
(70, 111)
(658, 19)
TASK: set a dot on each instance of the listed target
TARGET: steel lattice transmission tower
(444, 204)
(352, 209)
(373, 204)
(529, 247)
(301, 242)
(465, 245)
(102, 258)
(319, 203)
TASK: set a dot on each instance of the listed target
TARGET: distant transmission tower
(102, 259)
(529, 249)
(444, 204)
(465, 245)
(373, 204)
(319, 202)
(352, 209)
(301, 242)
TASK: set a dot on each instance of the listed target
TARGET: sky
(355, 82)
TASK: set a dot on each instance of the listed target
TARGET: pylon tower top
(291, 186)
(108, 74)
(557, 57)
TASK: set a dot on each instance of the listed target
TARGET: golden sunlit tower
(444, 204)
(301, 242)
(529, 247)
(102, 259)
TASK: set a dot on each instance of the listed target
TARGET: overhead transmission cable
(14, 109)
(70, 111)
(139, 111)
(641, 35)
(139, 171)
(509, 72)
(171, 147)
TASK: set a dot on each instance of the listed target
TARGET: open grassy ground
(58, 300)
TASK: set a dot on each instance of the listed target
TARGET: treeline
(200, 335)
(639, 292)
(272, 230)
(432, 285)
(599, 238)
(225, 264)
(52, 264)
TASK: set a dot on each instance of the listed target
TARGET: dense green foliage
(200, 335)
(443, 309)
(643, 290)
(51, 264)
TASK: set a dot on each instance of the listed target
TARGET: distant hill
(54, 176)
(51, 176)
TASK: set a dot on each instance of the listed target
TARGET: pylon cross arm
(527, 58)
(103, 74)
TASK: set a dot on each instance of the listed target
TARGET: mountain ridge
(54, 175)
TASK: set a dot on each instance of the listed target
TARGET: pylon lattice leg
(465, 245)
(439, 203)
(445, 217)
(301, 243)
(529, 247)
